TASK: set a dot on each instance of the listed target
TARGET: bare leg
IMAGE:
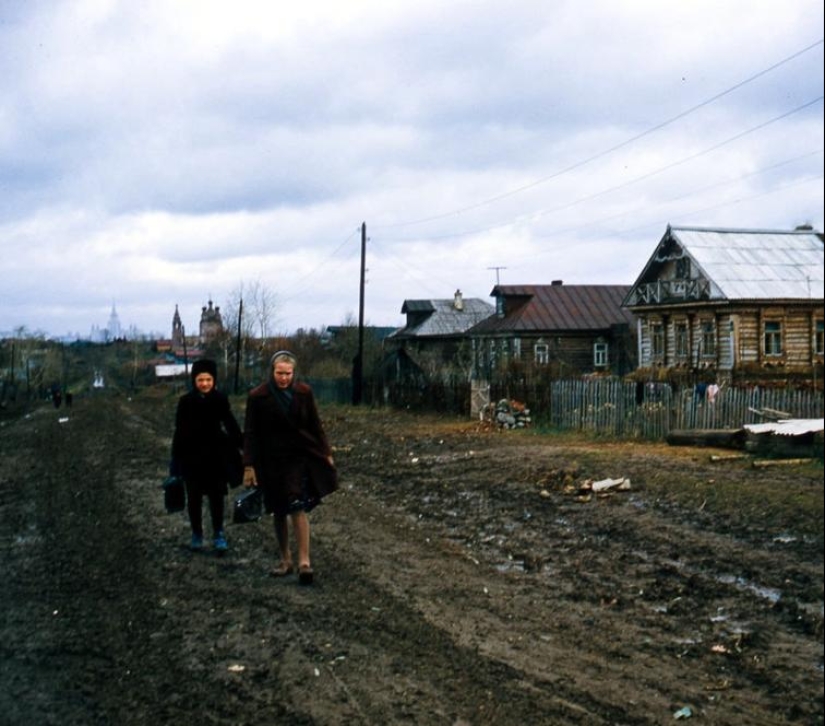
(282, 533)
(300, 523)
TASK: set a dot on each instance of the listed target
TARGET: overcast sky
(165, 152)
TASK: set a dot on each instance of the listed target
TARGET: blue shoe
(197, 542)
(220, 543)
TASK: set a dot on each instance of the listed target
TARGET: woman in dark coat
(286, 452)
(207, 438)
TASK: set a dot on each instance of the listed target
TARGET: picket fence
(613, 407)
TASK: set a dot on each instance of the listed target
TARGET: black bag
(248, 507)
(174, 494)
(233, 464)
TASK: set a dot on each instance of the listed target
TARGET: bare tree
(262, 308)
(259, 306)
(251, 305)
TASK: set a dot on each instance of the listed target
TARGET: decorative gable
(671, 276)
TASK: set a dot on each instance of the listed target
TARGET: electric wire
(609, 150)
(623, 185)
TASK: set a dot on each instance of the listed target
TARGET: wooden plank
(724, 438)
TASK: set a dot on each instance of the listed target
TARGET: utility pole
(238, 345)
(358, 363)
(185, 352)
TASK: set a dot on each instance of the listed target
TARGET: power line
(630, 182)
(662, 222)
(611, 149)
(314, 271)
(425, 277)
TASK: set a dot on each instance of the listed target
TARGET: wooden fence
(614, 407)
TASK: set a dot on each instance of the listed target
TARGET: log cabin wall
(727, 339)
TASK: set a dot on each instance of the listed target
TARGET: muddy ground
(462, 577)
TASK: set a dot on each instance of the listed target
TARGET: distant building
(181, 347)
(113, 325)
(111, 332)
(177, 330)
(211, 327)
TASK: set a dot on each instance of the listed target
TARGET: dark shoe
(196, 545)
(220, 544)
(282, 570)
(305, 575)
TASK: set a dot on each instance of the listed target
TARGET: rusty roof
(558, 308)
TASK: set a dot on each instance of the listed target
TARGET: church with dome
(210, 330)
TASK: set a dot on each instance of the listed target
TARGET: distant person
(69, 399)
(286, 452)
(207, 437)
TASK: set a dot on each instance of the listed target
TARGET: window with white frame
(818, 338)
(600, 355)
(681, 334)
(657, 341)
(708, 339)
(773, 337)
(541, 351)
(516, 348)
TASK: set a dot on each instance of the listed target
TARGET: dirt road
(462, 578)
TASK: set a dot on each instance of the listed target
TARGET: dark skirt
(297, 485)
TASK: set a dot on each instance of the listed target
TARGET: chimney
(557, 283)
(458, 303)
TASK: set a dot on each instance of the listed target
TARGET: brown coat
(286, 437)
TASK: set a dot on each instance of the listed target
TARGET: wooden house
(565, 330)
(434, 339)
(732, 303)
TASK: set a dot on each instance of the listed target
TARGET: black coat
(207, 441)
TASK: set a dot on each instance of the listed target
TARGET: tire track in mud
(86, 646)
(607, 566)
(424, 610)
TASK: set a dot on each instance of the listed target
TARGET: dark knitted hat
(204, 365)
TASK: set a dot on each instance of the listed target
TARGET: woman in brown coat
(286, 452)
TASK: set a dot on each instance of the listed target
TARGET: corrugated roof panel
(445, 319)
(788, 427)
(756, 264)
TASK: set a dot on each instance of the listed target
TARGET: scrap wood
(622, 484)
(770, 413)
(588, 485)
(729, 457)
(766, 463)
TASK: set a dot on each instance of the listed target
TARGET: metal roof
(558, 307)
(443, 318)
(417, 306)
(756, 264)
(788, 427)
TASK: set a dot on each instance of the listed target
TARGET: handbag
(174, 494)
(249, 506)
(233, 464)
